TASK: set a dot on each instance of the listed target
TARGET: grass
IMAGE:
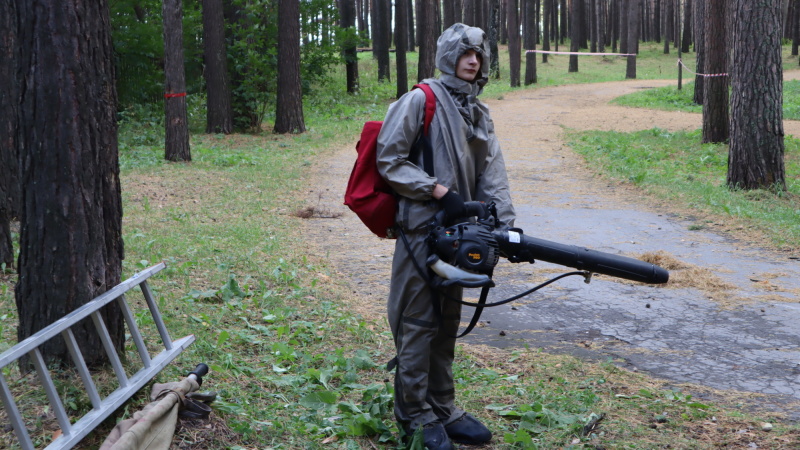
(295, 368)
(670, 98)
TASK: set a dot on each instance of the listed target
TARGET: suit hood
(454, 42)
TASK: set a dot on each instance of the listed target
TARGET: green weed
(670, 98)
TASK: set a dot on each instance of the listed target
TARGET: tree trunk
(548, 11)
(554, 29)
(633, 37)
(755, 158)
(503, 15)
(494, 37)
(623, 26)
(715, 90)
(574, 46)
(381, 40)
(667, 24)
(71, 247)
(350, 48)
(448, 13)
(601, 37)
(427, 42)
(794, 17)
(458, 11)
(583, 29)
(469, 12)
(176, 145)
(401, 39)
(515, 59)
(219, 114)
(699, 49)
(361, 5)
(686, 39)
(412, 41)
(613, 18)
(592, 25)
(530, 32)
(9, 114)
(289, 109)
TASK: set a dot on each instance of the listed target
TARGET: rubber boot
(435, 437)
(468, 430)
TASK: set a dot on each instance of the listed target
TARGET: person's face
(469, 65)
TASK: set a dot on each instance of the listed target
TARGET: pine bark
(547, 20)
(426, 23)
(289, 109)
(219, 112)
(700, 50)
(176, 145)
(633, 37)
(530, 31)
(755, 157)
(494, 37)
(715, 89)
(380, 39)
(350, 51)
(401, 43)
(574, 46)
(9, 103)
(686, 38)
(514, 56)
(71, 247)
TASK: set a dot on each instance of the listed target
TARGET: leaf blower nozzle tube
(517, 246)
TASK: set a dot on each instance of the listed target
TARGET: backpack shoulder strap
(424, 138)
(430, 105)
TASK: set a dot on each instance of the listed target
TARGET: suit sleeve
(400, 129)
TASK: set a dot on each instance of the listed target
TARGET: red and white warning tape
(680, 62)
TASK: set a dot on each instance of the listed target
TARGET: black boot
(435, 437)
(467, 430)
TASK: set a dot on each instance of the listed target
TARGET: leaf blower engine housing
(469, 246)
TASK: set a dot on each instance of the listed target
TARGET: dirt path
(742, 338)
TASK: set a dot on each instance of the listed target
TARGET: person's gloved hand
(453, 205)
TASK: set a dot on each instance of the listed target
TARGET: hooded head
(454, 42)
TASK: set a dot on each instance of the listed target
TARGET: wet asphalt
(680, 334)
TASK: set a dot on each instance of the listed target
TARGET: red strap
(430, 105)
(180, 94)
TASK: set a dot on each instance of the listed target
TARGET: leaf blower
(466, 253)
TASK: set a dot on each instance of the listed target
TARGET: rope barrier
(680, 63)
(580, 53)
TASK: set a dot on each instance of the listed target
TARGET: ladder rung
(14, 416)
(151, 303)
(83, 370)
(50, 390)
(105, 338)
(134, 330)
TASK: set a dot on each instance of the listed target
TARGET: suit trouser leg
(424, 389)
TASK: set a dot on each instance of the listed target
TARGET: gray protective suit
(466, 159)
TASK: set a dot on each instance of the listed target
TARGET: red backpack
(367, 194)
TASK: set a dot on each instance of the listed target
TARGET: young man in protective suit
(467, 166)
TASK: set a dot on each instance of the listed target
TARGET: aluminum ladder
(71, 433)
